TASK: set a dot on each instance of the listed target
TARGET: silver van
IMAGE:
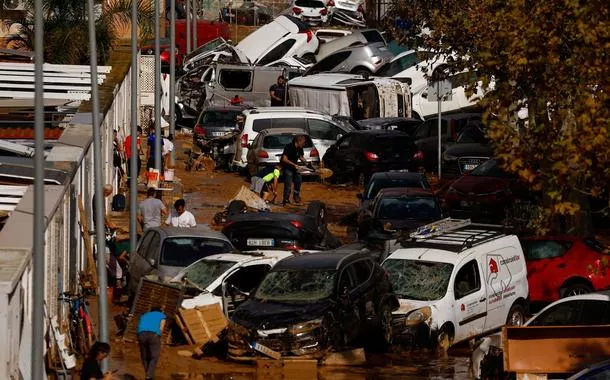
(163, 251)
(357, 59)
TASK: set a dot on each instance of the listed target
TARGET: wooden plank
(547, 350)
(184, 329)
(84, 230)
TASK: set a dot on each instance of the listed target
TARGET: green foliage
(549, 56)
(66, 28)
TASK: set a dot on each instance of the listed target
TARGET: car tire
(383, 336)
(516, 315)
(236, 207)
(317, 210)
(444, 338)
(574, 290)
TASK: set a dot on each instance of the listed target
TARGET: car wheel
(385, 325)
(444, 338)
(575, 290)
(236, 207)
(516, 316)
(317, 210)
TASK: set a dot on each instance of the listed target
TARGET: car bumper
(418, 335)
(307, 345)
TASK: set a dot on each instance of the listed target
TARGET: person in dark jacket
(91, 369)
(150, 329)
(292, 154)
(277, 92)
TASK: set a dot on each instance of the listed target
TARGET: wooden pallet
(202, 324)
(84, 230)
(153, 293)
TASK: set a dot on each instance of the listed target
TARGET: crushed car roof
(326, 260)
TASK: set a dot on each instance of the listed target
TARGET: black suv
(309, 303)
(402, 124)
(471, 149)
(359, 154)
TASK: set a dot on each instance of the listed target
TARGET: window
(401, 105)
(153, 248)
(345, 142)
(362, 271)
(225, 117)
(277, 52)
(346, 281)
(467, 280)
(248, 278)
(235, 79)
(329, 63)
(563, 314)
(544, 249)
(373, 36)
(322, 130)
(289, 123)
(401, 64)
(261, 124)
(409, 208)
(143, 248)
(309, 3)
(595, 312)
(280, 141)
(183, 251)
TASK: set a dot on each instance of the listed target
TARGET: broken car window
(419, 280)
(296, 286)
(204, 272)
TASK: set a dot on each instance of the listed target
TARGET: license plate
(218, 134)
(267, 351)
(260, 242)
(464, 203)
(468, 167)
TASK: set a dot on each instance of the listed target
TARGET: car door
(139, 264)
(153, 254)
(349, 313)
(470, 295)
(338, 153)
(240, 283)
(546, 268)
(364, 291)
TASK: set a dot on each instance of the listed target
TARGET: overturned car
(310, 304)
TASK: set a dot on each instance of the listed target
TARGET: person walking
(151, 210)
(91, 369)
(166, 150)
(138, 152)
(265, 182)
(150, 155)
(277, 92)
(181, 217)
(292, 154)
(150, 329)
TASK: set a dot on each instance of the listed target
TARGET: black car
(383, 180)
(426, 135)
(359, 154)
(216, 122)
(310, 303)
(398, 209)
(394, 123)
(279, 230)
(470, 150)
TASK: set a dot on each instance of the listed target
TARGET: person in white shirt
(166, 149)
(181, 218)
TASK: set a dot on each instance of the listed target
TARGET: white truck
(351, 95)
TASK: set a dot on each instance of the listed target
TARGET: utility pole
(172, 74)
(188, 26)
(133, 168)
(158, 91)
(99, 192)
(195, 19)
(39, 225)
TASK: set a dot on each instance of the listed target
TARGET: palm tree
(66, 28)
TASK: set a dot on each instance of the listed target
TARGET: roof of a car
(397, 175)
(381, 133)
(327, 260)
(393, 192)
(597, 296)
(199, 231)
(284, 131)
(251, 256)
(226, 108)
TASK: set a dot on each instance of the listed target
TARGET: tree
(549, 56)
(66, 28)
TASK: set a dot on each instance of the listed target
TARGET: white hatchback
(456, 280)
(313, 12)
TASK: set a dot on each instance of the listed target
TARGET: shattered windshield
(293, 286)
(419, 280)
(204, 272)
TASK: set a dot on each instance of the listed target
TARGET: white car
(586, 309)
(286, 36)
(327, 35)
(397, 67)
(456, 280)
(292, 62)
(323, 129)
(313, 12)
(236, 272)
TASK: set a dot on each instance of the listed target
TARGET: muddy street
(207, 193)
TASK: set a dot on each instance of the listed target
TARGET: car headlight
(305, 327)
(419, 316)
(449, 157)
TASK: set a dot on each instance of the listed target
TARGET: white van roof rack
(453, 235)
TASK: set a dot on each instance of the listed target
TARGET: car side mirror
(339, 136)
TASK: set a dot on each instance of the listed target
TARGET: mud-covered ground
(207, 193)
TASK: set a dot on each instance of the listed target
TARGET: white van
(323, 129)
(338, 94)
(457, 280)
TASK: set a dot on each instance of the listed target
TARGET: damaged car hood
(407, 306)
(253, 314)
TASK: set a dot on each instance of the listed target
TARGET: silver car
(359, 59)
(267, 147)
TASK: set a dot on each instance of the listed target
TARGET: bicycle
(81, 329)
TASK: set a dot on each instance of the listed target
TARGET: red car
(564, 266)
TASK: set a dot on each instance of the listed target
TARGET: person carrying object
(292, 154)
(150, 329)
(265, 182)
